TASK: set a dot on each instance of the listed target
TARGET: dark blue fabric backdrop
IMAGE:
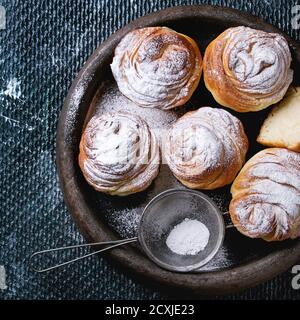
(43, 47)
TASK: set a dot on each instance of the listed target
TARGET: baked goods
(247, 69)
(206, 148)
(157, 67)
(282, 126)
(119, 154)
(266, 196)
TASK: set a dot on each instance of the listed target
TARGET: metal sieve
(159, 217)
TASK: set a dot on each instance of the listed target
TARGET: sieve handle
(227, 220)
(111, 245)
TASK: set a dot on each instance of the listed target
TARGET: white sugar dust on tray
(189, 237)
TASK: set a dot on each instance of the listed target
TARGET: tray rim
(207, 283)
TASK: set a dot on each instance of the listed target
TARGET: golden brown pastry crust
(157, 67)
(247, 69)
(266, 196)
(119, 154)
(206, 148)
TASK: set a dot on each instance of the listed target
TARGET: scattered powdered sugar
(125, 222)
(188, 237)
(220, 261)
(77, 95)
(74, 103)
(112, 100)
(220, 200)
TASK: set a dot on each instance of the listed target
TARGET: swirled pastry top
(206, 148)
(266, 196)
(247, 69)
(119, 154)
(157, 67)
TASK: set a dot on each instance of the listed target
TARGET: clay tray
(242, 262)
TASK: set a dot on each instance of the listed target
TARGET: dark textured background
(43, 47)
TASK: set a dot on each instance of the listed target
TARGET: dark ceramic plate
(242, 262)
